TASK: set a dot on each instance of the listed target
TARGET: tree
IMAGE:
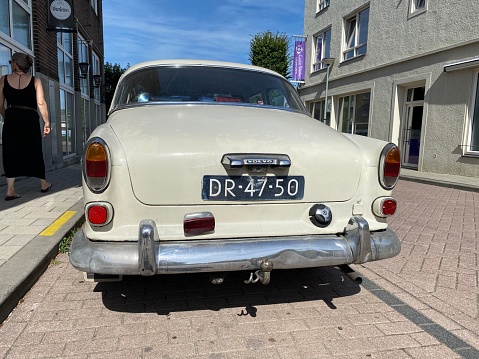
(271, 51)
(112, 75)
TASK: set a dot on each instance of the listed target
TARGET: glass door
(412, 125)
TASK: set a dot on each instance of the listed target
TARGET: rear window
(206, 85)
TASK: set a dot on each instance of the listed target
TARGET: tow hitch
(262, 275)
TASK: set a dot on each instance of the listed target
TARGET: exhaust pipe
(354, 276)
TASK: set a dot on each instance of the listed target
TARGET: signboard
(299, 60)
(60, 16)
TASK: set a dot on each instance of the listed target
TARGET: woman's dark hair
(23, 61)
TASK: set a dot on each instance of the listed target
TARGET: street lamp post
(328, 61)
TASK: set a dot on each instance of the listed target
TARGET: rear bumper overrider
(148, 256)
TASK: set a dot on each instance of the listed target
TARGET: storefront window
(67, 123)
(21, 25)
(354, 113)
(4, 17)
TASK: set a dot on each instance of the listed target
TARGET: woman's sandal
(11, 198)
(46, 189)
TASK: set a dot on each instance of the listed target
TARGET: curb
(23, 270)
(440, 183)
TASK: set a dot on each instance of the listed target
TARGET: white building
(405, 71)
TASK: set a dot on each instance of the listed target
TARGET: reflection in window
(96, 71)
(354, 113)
(417, 5)
(83, 57)
(65, 58)
(474, 138)
(67, 122)
(21, 25)
(317, 110)
(322, 49)
(322, 4)
(356, 35)
(4, 17)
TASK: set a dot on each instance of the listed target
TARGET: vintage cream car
(216, 167)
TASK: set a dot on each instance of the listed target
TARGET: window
(317, 110)
(322, 49)
(94, 5)
(354, 113)
(356, 35)
(65, 58)
(321, 5)
(4, 17)
(96, 71)
(67, 123)
(474, 124)
(22, 29)
(418, 5)
(85, 119)
(83, 57)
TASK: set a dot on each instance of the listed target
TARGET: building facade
(401, 71)
(75, 98)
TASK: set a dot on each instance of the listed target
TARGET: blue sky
(136, 31)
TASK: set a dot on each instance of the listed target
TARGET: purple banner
(299, 60)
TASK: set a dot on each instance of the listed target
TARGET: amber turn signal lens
(96, 160)
(389, 166)
(97, 165)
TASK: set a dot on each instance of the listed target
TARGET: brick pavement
(316, 313)
(437, 271)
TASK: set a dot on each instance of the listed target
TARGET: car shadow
(165, 294)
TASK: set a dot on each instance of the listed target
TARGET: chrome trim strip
(238, 160)
(357, 245)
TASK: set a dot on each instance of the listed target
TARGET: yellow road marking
(55, 226)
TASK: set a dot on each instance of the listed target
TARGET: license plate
(252, 188)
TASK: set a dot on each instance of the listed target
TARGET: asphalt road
(420, 304)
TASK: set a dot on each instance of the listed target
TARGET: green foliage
(271, 51)
(64, 246)
(112, 75)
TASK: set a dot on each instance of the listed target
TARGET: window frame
(415, 9)
(321, 5)
(96, 71)
(15, 41)
(94, 5)
(317, 65)
(316, 108)
(354, 121)
(68, 121)
(83, 56)
(66, 52)
(472, 117)
(357, 33)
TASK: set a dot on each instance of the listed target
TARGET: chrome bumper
(148, 256)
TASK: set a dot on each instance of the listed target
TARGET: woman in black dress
(21, 136)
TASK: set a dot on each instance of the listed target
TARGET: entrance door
(412, 125)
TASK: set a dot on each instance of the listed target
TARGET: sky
(137, 31)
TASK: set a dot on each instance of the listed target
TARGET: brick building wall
(44, 42)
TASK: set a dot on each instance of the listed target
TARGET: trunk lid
(170, 148)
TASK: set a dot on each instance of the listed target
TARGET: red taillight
(97, 215)
(199, 223)
(96, 165)
(390, 166)
(389, 207)
(384, 206)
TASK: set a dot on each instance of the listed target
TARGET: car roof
(186, 62)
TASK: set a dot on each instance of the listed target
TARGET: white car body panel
(159, 154)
